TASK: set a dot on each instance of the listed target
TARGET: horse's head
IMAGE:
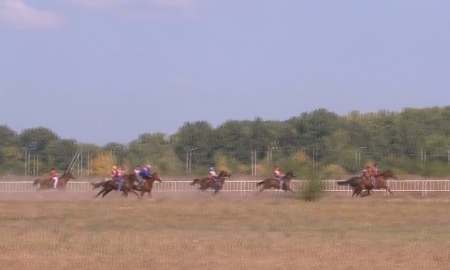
(156, 177)
(224, 174)
(195, 181)
(131, 177)
(68, 175)
(388, 174)
(289, 175)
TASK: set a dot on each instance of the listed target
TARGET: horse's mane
(385, 172)
(64, 174)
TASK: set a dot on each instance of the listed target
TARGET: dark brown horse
(360, 183)
(148, 185)
(47, 183)
(207, 182)
(110, 185)
(274, 183)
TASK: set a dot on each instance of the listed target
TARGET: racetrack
(193, 230)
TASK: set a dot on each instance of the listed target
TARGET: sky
(101, 71)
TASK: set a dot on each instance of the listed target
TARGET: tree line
(413, 141)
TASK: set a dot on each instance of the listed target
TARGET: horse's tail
(259, 183)
(36, 182)
(347, 182)
(195, 181)
(97, 185)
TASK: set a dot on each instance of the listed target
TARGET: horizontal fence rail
(246, 186)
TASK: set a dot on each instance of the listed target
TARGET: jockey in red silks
(277, 174)
(365, 171)
(373, 172)
(213, 175)
(118, 176)
(54, 176)
(113, 171)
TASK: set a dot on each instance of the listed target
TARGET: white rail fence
(246, 186)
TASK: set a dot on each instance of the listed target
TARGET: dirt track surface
(192, 230)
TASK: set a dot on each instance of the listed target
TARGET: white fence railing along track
(245, 186)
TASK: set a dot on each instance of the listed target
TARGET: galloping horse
(110, 185)
(359, 183)
(47, 183)
(207, 182)
(274, 183)
(148, 185)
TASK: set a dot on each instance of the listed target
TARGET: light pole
(270, 153)
(113, 151)
(314, 158)
(31, 147)
(448, 155)
(253, 158)
(189, 159)
(25, 155)
(358, 155)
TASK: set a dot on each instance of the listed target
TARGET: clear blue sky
(108, 70)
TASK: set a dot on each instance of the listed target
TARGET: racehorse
(274, 183)
(110, 185)
(207, 182)
(47, 183)
(148, 185)
(359, 183)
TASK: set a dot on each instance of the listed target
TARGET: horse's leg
(100, 192)
(135, 193)
(149, 195)
(260, 190)
(389, 190)
(289, 189)
(106, 192)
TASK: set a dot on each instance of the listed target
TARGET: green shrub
(312, 189)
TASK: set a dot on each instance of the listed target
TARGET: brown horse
(354, 183)
(207, 182)
(47, 183)
(274, 183)
(359, 183)
(148, 185)
(110, 185)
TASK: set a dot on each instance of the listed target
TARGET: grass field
(198, 231)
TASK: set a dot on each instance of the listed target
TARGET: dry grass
(198, 231)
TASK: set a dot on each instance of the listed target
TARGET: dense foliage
(415, 141)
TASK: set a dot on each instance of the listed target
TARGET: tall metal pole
(254, 162)
(187, 162)
(29, 155)
(25, 160)
(190, 161)
(81, 163)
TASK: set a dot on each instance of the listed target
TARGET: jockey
(277, 174)
(374, 171)
(146, 172)
(213, 175)
(377, 170)
(54, 176)
(118, 177)
(137, 170)
(365, 171)
(113, 171)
